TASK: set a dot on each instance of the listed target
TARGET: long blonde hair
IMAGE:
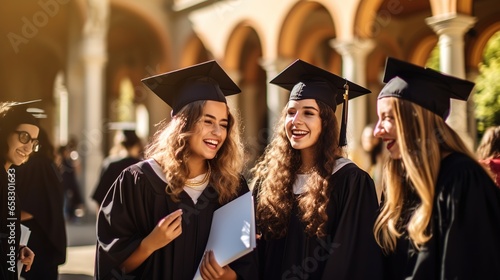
(423, 138)
(275, 172)
(170, 149)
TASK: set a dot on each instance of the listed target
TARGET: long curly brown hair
(170, 149)
(274, 175)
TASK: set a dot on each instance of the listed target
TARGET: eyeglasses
(25, 138)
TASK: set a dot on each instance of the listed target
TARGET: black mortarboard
(14, 113)
(306, 81)
(423, 86)
(204, 81)
(131, 138)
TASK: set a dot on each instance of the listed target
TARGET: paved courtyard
(81, 250)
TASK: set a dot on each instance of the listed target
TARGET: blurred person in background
(133, 147)
(73, 200)
(488, 152)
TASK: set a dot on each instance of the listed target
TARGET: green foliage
(433, 61)
(487, 97)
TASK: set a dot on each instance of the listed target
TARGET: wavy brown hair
(423, 139)
(275, 171)
(170, 149)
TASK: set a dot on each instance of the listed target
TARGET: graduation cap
(13, 113)
(204, 81)
(423, 86)
(306, 81)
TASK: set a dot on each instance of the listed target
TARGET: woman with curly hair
(315, 209)
(155, 220)
(441, 211)
(18, 139)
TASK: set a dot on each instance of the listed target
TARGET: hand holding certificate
(23, 241)
(232, 234)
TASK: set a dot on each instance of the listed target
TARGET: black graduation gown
(466, 227)
(109, 175)
(130, 211)
(42, 194)
(348, 251)
(10, 231)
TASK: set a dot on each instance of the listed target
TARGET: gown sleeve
(354, 253)
(467, 222)
(122, 222)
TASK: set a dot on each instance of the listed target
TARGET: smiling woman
(436, 195)
(315, 209)
(18, 133)
(155, 221)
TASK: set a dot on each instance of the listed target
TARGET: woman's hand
(26, 256)
(167, 229)
(210, 269)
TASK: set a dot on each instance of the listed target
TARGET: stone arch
(485, 31)
(374, 15)
(36, 48)
(129, 26)
(422, 47)
(137, 46)
(36, 45)
(154, 31)
(243, 55)
(193, 52)
(365, 17)
(305, 21)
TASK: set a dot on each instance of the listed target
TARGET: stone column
(276, 97)
(94, 58)
(354, 55)
(451, 29)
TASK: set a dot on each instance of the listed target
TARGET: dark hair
(275, 171)
(131, 139)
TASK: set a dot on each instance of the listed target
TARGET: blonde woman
(440, 216)
(315, 208)
(155, 221)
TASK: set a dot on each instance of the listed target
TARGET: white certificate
(232, 234)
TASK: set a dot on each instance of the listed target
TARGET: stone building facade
(85, 59)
